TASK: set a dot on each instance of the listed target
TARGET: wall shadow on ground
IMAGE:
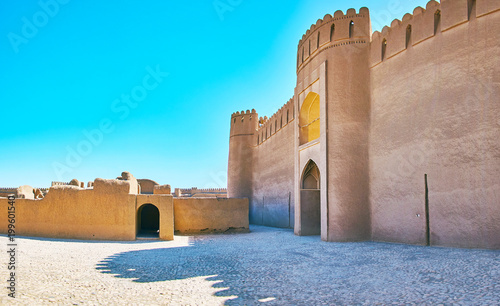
(250, 273)
(273, 263)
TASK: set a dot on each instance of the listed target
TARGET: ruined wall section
(434, 101)
(272, 201)
(147, 186)
(107, 212)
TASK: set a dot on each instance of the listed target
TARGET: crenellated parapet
(7, 189)
(270, 126)
(194, 190)
(59, 183)
(243, 113)
(242, 132)
(243, 123)
(204, 190)
(334, 31)
(424, 24)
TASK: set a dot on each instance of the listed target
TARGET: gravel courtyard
(267, 266)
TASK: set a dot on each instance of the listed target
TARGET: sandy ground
(267, 266)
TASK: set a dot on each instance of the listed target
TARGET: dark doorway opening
(148, 221)
(310, 201)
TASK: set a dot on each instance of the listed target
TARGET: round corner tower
(333, 103)
(241, 146)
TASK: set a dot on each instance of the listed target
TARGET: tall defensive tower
(241, 144)
(333, 94)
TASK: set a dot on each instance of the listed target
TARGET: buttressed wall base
(402, 126)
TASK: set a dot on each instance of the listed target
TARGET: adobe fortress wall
(210, 215)
(411, 128)
(272, 201)
(261, 164)
(435, 83)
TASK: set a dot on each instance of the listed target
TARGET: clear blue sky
(68, 69)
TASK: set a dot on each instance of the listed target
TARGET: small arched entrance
(310, 200)
(148, 221)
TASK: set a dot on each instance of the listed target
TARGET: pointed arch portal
(310, 200)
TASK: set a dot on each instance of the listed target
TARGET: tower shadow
(251, 274)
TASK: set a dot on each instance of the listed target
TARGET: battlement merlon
(242, 131)
(424, 24)
(338, 27)
(195, 190)
(420, 25)
(244, 123)
(6, 189)
(59, 183)
(280, 118)
(247, 112)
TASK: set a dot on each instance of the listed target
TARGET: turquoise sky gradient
(64, 78)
